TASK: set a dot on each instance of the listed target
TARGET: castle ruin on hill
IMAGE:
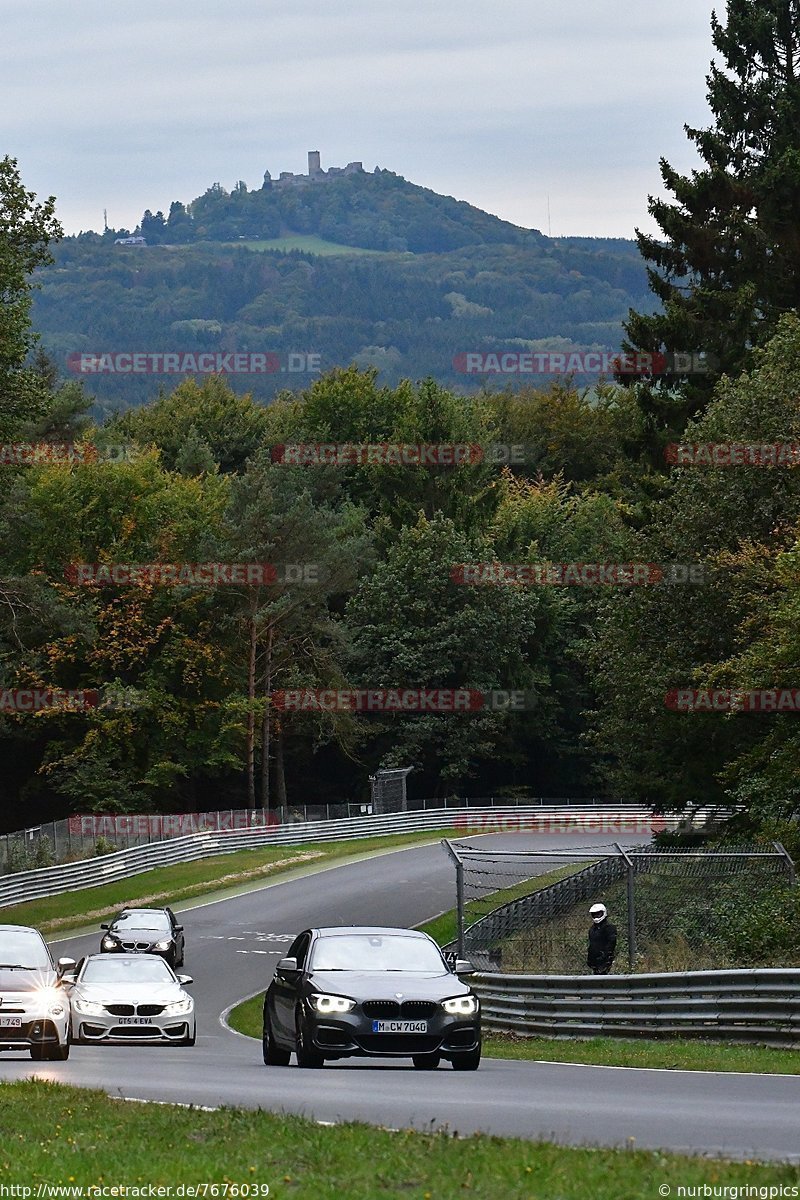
(315, 173)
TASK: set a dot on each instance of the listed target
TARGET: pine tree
(729, 262)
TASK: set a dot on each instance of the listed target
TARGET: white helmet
(598, 913)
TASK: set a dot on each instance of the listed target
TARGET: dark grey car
(145, 931)
(386, 993)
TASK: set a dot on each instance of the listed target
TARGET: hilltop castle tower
(314, 167)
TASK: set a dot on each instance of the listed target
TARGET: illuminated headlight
(88, 1007)
(461, 1006)
(162, 945)
(53, 1001)
(323, 1003)
(178, 1007)
(109, 943)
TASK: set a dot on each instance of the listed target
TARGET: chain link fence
(674, 910)
(83, 836)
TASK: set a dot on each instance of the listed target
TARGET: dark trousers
(603, 970)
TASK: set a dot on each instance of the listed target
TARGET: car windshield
(19, 949)
(376, 952)
(142, 920)
(111, 969)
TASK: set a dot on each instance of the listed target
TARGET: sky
(551, 115)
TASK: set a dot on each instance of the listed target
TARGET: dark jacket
(602, 944)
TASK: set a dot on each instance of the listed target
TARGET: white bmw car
(130, 998)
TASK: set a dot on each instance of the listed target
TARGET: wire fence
(674, 910)
(83, 836)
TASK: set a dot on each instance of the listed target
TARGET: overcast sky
(501, 103)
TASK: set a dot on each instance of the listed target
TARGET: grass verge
(54, 1134)
(690, 1055)
(184, 881)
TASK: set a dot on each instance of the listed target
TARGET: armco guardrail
(743, 1005)
(50, 881)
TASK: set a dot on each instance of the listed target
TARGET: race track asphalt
(232, 947)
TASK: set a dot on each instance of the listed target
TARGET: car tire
(190, 1039)
(470, 1061)
(274, 1056)
(307, 1055)
(426, 1062)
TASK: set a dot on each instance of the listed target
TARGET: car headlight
(461, 1006)
(162, 945)
(178, 1007)
(89, 1008)
(109, 943)
(53, 1001)
(321, 1002)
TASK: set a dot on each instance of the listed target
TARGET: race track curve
(232, 947)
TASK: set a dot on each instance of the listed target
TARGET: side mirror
(185, 980)
(286, 966)
(179, 929)
(104, 926)
(463, 967)
(69, 978)
(65, 964)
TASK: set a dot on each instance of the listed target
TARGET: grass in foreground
(689, 1055)
(64, 1135)
(183, 881)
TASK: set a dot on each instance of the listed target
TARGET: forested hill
(366, 269)
(375, 211)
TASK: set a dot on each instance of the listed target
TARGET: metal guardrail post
(456, 857)
(789, 862)
(631, 908)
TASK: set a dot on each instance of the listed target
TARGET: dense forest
(457, 280)
(366, 586)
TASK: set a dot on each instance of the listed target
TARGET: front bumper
(353, 1035)
(111, 1028)
(43, 1031)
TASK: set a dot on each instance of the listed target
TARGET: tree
(26, 230)
(729, 262)
(733, 522)
(413, 626)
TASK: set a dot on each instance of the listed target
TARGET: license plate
(136, 1020)
(10, 1022)
(399, 1026)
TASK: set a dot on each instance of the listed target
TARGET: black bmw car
(145, 931)
(377, 992)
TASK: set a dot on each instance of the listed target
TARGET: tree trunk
(251, 714)
(280, 775)
(266, 724)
